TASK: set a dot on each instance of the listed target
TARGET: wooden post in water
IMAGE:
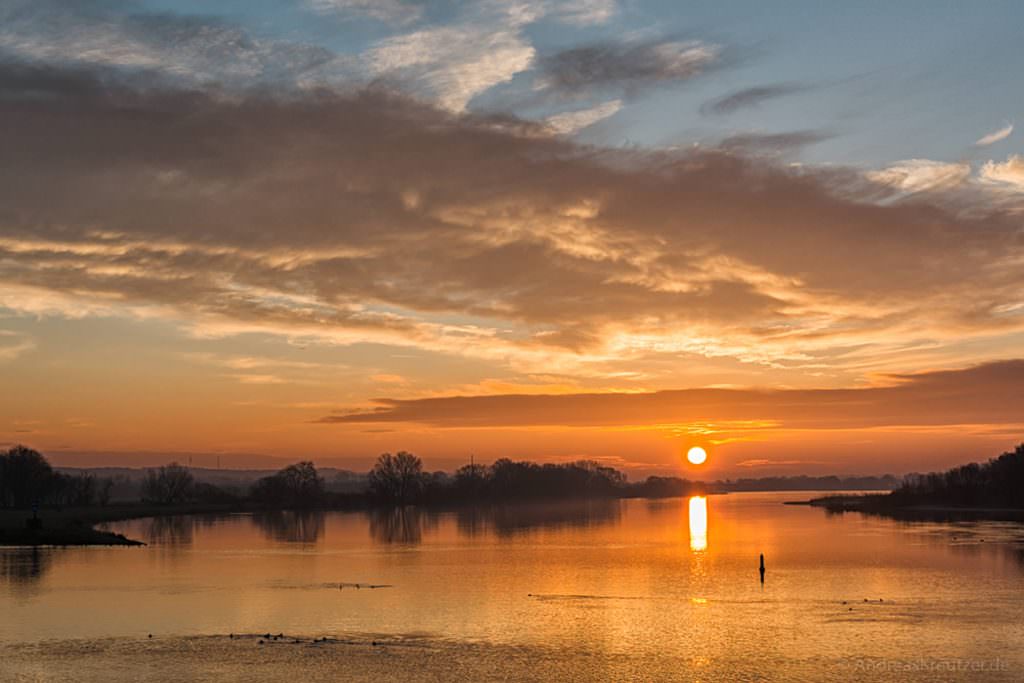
(762, 568)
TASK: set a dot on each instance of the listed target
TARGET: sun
(696, 455)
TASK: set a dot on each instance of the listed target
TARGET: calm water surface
(670, 582)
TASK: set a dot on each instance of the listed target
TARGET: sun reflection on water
(698, 523)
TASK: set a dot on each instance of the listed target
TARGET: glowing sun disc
(696, 455)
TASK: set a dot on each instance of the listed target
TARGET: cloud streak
(986, 394)
(995, 136)
(575, 121)
(749, 98)
(625, 67)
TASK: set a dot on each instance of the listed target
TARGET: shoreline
(883, 505)
(67, 536)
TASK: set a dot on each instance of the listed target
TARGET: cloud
(1009, 173)
(625, 67)
(987, 394)
(995, 136)
(13, 345)
(189, 48)
(457, 62)
(584, 12)
(772, 143)
(393, 11)
(368, 217)
(750, 97)
(922, 175)
(575, 121)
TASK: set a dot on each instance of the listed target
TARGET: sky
(250, 232)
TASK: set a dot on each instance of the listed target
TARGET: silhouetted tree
(27, 477)
(997, 483)
(78, 489)
(168, 484)
(204, 492)
(297, 485)
(397, 478)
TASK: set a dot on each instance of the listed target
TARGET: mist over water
(603, 588)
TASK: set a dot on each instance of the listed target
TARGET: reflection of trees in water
(291, 526)
(406, 525)
(23, 567)
(175, 530)
(402, 525)
(169, 530)
(508, 520)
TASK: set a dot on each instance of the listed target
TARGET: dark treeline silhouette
(174, 484)
(295, 486)
(400, 480)
(27, 479)
(998, 483)
(977, 490)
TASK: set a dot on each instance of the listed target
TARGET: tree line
(400, 480)
(27, 479)
(998, 483)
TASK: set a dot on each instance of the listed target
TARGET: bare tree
(168, 484)
(298, 485)
(397, 478)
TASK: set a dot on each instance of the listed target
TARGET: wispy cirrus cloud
(995, 136)
(583, 12)
(459, 61)
(394, 11)
(574, 121)
(750, 97)
(13, 344)
(191, 48)
(922, 175)
(626, 67)
(772, 143)
(483, 47)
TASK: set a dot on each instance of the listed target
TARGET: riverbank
(888, 506)
(76, 525)
(18, 527)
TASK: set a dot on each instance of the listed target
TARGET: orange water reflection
(635, 578)
(698, 523)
